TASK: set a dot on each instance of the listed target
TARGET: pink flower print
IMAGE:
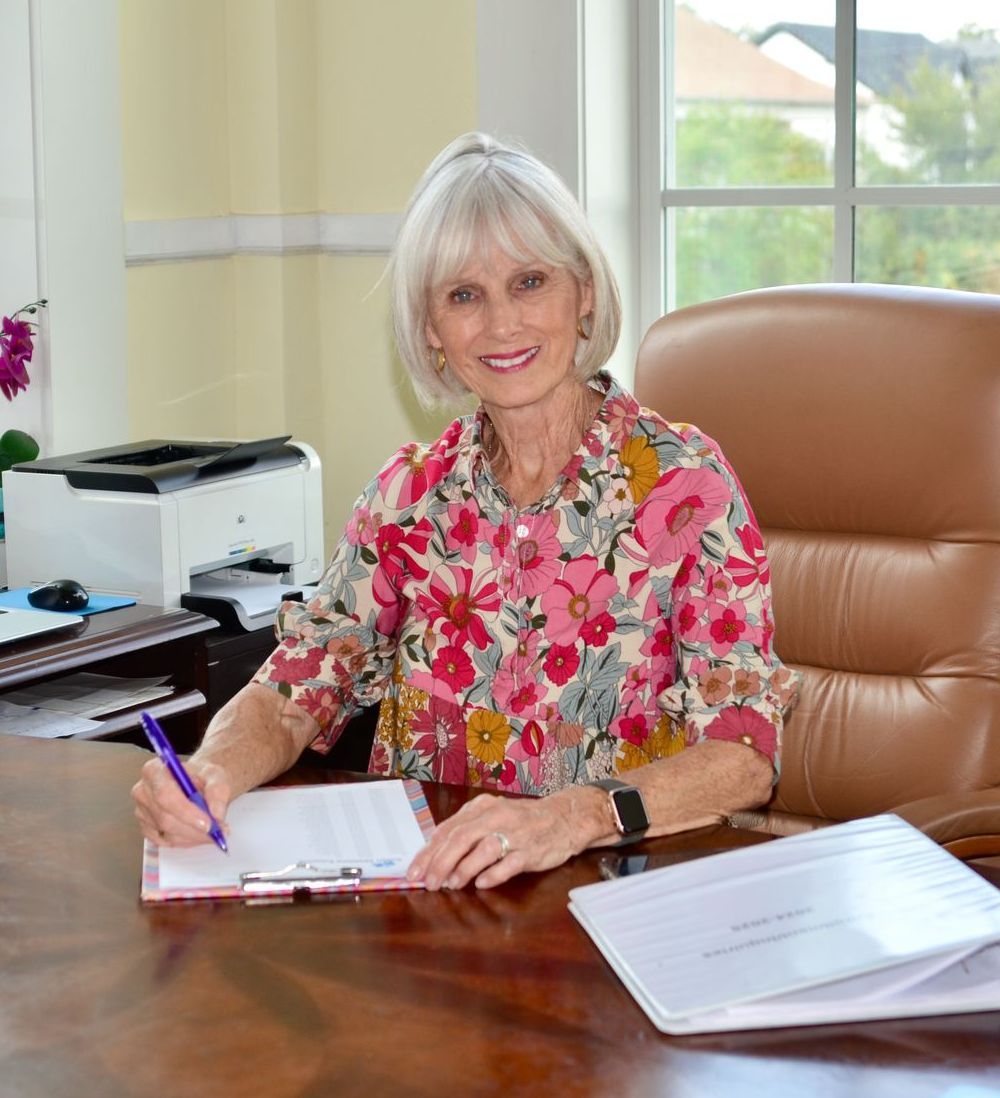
(718, 583)
(501, 539)
(293, 663)
(616, 496)
(526, 652)
(524, 698)
(632, 725)
(561, 663)
(714, 684)
(688, 615)
(620, 416)
(672, 518)
(746, 684)
(529, 748)
(508, 779)
(747, 570)
(532, 739)
(350, 652)
(578, 596)
(683, 575)
(596, 631)
(379, 762)
(537, 553)
(452, 666)
(745, 726)
(403, 551)
(463, 533)
(571, 470)
(440, 735)
(457, 600)
(726, 625)
(766, 628)
(361, 529)
(659, 645)
(636, 681)
(410, 475)
(504, 685)
(566, 734)
(786, 686)
(323, 704)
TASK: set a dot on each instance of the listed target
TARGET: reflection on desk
(410, 993)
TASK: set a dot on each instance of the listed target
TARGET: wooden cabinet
(132, 642)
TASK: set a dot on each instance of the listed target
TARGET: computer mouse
(64, 594)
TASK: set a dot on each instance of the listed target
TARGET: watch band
(628, 809)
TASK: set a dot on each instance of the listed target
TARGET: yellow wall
(282, 106)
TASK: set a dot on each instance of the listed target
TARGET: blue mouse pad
(18, 600)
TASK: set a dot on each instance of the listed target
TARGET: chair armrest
(965, 824)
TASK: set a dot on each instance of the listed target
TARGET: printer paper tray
(238, 605)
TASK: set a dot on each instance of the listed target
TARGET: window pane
(752, 105)
(723, 250)
(928, 92)
(957, 247)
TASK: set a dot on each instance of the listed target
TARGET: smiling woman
(550, 599)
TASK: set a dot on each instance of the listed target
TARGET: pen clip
(300, 876)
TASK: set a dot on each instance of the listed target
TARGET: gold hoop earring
(580, 329)
(441, 361)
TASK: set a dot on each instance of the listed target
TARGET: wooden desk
(134, 641)
(397, 994)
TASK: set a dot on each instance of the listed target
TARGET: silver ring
(504, 842)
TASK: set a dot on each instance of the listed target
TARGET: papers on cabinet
(867, 919)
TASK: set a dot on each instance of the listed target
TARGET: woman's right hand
(166, 816)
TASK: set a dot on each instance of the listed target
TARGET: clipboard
(217, 877)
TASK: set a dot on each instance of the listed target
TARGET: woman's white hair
(477, 194)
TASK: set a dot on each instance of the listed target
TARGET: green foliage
(16, 446)
(725, 249)
(949, 133)
(724, 146)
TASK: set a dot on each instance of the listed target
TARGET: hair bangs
(488, 213)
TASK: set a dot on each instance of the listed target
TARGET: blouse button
(521, 531)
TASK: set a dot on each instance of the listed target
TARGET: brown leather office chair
(864, 422)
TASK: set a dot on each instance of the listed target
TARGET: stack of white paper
(868, 919)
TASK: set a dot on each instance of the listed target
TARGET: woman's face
(508, 328)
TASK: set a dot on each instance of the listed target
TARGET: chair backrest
(864, 423)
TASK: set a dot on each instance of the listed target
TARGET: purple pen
(167, 755)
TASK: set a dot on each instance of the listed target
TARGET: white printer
(224, 527)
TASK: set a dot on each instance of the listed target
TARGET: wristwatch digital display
(628, 809)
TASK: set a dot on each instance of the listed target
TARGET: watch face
(631, 810)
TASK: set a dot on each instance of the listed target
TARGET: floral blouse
(617, 620)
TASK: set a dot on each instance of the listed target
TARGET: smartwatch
(627, 809)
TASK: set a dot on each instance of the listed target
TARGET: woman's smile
(513, 360)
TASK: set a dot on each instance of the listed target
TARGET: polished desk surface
(403, 993)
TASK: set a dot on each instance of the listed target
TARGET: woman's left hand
(491, 839)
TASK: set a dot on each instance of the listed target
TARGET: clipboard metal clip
(300, 877)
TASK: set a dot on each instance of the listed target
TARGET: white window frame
(657, 194)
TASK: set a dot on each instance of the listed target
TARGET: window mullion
(843, 144)
(654, 32)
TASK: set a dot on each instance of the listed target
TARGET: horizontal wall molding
(179, 239)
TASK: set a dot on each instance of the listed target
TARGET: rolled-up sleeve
(730, 685)
(335, 652)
